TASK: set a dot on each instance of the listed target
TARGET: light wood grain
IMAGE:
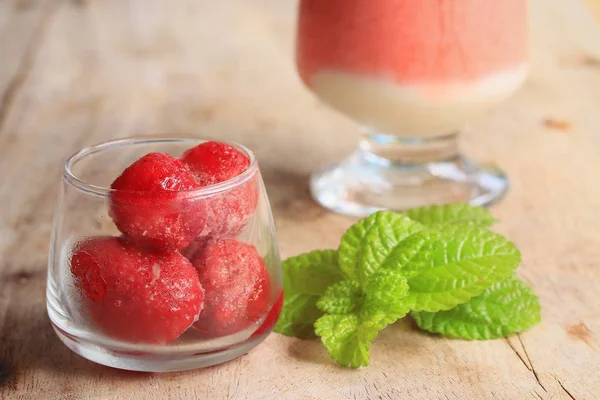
(78, 72)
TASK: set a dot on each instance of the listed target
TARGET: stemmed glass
(412, 73)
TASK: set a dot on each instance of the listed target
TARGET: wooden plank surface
(78, 72)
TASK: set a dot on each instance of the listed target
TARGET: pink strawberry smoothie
(412, 67)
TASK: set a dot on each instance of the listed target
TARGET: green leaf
(451, 214)
(464, 262)
(357, 316)
(341, 298)
(382, 239)
(504, 308)
(305, 279)
(348, 338)
(411, 254)
(311, 272)
(386, 294)
(298, 316)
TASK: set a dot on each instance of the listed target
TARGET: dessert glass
(412, 73)
(104, 322)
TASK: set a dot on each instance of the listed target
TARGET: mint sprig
(355, 315)
(438, 261)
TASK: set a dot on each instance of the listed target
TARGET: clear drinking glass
(121, 303)
(413, 73)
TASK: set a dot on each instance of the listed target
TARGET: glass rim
(72, 179)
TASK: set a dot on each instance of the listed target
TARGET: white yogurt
(414, 110)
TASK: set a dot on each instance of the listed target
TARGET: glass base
(389, 173)
(153, 362)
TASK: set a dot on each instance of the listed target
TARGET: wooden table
(78, 72)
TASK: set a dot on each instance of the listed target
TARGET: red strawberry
(194, 247)
(272, 318)
(136, 295)
(229, 211)
(148, 203)
(238, 291)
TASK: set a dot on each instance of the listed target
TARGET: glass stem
(385, 149)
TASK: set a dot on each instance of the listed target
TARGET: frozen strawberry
(272, 318)
(237, 288)
(194, 247)
(229, 211)
(134, 294)
(214, 162)
(151, 203)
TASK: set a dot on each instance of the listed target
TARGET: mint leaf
(411, 254)
(451, 214)
(357, 316)
(386, 293)
(464, 262)
(341, 298)
(382, 239)
(348, 338)
(305, 278)
(298, 315)
(311, 272)
(504, 308)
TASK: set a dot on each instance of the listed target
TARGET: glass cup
(115, 298)
(413, 73)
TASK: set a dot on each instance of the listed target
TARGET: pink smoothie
(412, 67)
(412, 40)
